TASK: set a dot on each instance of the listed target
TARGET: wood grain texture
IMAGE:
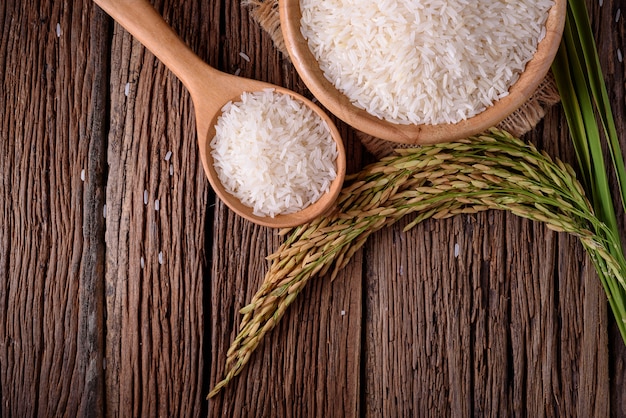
(155, 247)
(310, 363)
(52, 127)
(609, 24)
(471, 325)
(512, 322)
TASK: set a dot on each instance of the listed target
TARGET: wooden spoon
(339, 104)
(210, 90)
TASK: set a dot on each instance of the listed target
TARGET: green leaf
(584, 98)
(595, 80)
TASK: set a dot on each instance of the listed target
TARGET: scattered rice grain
(168, 155)
(171, 170)
(456, 250)
(618, 14)
(142, 262)
(82, 175)
(156, 204)
(104, 211)
(145, 197)
(160, 257)
(127, 89)
(244, 56)
(620, 57)
(58, 30)
(238, 71)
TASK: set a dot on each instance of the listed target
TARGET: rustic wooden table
(132, 313)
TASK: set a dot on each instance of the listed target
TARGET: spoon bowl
(341, 106)
(210, 90)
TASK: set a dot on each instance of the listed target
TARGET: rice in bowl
(423, 61)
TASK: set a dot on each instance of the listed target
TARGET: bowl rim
(339, 104)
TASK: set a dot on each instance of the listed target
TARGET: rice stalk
(490, 171)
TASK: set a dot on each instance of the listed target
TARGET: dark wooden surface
(477, 315)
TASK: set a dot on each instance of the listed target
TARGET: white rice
(423, 61)
(273, 153)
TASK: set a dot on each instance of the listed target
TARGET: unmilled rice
(273, 153)
(423, 61)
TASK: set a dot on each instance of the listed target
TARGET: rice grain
(273, 153)
(423, 62)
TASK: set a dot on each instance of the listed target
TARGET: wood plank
(527, 336)
(91, 296)
(309, 365)
(51, 258)
(155, 248)
(611, 38)
(478, 328)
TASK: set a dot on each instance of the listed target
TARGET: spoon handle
(143, 22)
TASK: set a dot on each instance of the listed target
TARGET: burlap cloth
(265, 12)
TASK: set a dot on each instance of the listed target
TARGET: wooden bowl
(339, 104)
